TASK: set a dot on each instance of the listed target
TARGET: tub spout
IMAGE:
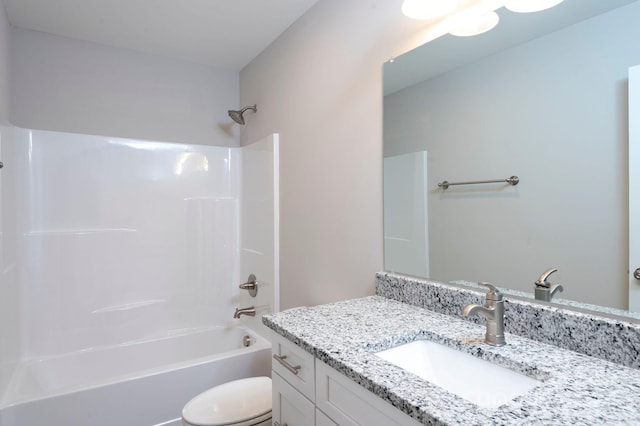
(251, 311)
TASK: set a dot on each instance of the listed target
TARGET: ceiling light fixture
(526, 6)
(474, 25)
(428, 9)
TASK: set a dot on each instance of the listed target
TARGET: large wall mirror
(543, 96)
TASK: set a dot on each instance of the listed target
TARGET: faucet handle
(542, 280)
(493, 293)
(251, 285)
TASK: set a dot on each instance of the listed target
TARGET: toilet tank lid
(230, 402)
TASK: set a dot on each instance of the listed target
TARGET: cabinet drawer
(293, 364)
(289, 406)
(349, 404)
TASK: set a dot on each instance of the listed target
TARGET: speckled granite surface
(575, 389)
(591, 334)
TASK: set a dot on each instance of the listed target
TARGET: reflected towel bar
(513, 180)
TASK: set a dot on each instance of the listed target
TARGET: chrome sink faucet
(251, 311)
(544, 289)
(493, 311)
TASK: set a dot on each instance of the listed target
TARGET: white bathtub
(143, 383)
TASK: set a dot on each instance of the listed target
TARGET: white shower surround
(123, 239)
(119, 241)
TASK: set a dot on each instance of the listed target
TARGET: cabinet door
(348, 404)
(323, 420)
(290, 407)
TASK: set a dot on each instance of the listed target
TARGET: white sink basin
(478, 381)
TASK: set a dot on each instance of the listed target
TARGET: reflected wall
(552, 111)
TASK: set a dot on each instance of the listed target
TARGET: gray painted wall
(5, 42)
(320, 86)
(553, 112)
(82, 87)
(9, 285)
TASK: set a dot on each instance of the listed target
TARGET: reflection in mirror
(542, 96)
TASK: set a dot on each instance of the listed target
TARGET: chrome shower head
(237, 115)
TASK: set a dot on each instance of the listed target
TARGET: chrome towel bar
(513, 180)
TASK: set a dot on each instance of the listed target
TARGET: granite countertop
(575, 388)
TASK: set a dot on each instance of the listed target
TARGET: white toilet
(244, 402)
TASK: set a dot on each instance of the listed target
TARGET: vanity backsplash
(611, 339)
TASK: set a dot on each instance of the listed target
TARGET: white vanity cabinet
(293, 377)
(323, 420)
(290, 407)
(348, 404)
(307, 392)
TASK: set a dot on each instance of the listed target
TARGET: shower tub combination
(117, 315)
(143, 383)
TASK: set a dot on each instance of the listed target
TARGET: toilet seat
(243, 402)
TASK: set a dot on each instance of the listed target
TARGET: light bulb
(526, 6)
(428, 9)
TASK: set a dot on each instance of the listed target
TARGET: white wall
(320, 86)
(552, 111)
(82, 87)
